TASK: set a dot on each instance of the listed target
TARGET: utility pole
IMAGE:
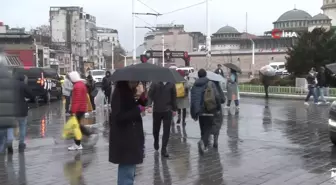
(36, 54)
(112, 55)
(208, 38)
(134, 27)
(163, 56)
(134, 32)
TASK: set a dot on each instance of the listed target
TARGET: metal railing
(282, 90)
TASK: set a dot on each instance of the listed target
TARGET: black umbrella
(146, 72)
(332, 67)
(233, 67)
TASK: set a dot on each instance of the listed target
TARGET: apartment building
(76, 29)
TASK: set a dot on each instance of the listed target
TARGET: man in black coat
(219, 70)
(163, 97)
(9, 105)
(23, 92)
(106, 86)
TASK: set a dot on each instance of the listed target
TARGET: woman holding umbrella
(126, 145)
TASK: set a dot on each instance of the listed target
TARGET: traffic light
(186, 59)
(143, 58)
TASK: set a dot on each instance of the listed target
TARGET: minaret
(329, 9)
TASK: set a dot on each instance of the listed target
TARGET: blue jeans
(126, 173)
(311, 92)
(320, 93)
(22, 131)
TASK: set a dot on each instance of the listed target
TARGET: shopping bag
(71, 129)
(89, 105)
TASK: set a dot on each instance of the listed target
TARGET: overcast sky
(117, 14)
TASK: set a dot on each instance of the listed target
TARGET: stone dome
(294, 14)
(227, 29)
(320, 16)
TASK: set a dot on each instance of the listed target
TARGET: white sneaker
(87, 114)
(317, 103)
(306, 103)
(75, 147)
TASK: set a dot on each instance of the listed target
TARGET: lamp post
(208, 38)
(253, 50)
(163, 48)
(112, 55)
(134, 31)
(125, 59)
(36, 54)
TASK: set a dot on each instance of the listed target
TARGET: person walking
(183, 102)
(232, 89)
(205, 103)
(218, 116)
(9, 104)
(67, 87)
(311, 80)
(265, 80)
(107, 86)
(24, 92)
(163, 97)
(321, 84)
(126, 142)
(92, 91)
(78, 105)
(219, 70)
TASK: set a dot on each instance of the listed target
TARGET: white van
(186, 69)
(279, 67)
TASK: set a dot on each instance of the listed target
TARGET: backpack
(209, 98)
(180, 90)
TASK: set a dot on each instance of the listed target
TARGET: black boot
(178, 119)
(215, 142)
(22, 147)
(10, 149)
(156, 144)
(164, 153)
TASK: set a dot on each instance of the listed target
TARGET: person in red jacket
(78, 105)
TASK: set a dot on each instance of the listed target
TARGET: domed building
(292, 21)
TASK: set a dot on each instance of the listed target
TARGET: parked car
(97, 75)
(44, 82)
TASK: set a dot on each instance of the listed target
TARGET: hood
(201, 82)
(108, 73)
(75, 77)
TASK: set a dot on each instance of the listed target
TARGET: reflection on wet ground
(267, 142)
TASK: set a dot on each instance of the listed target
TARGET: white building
(75, 29)
(108, 35)
(329, 9)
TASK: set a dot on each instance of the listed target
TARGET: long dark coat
(126, 129)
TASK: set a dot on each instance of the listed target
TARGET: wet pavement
(280, 142)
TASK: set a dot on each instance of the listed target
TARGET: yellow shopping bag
(71, 129)
(89, 105)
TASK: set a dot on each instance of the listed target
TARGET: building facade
(75, 29)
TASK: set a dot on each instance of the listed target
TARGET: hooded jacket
(8, 100)
(67, 87)
(106, 83)
(23, 92)
(196, 97)
(79, 93)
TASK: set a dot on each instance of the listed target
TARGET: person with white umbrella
(267, 74)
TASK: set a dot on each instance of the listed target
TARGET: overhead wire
(148, 7)
(187, 7)
(145, 21)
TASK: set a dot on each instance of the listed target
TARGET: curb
(280, 96)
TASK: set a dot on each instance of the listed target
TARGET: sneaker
(226, 107)
(317, 103)
(306, 103)
(75, 147)
(237, 107)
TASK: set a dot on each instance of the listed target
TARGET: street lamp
(253, 48)
(112, 55)
(163, 49)
(125, 59)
